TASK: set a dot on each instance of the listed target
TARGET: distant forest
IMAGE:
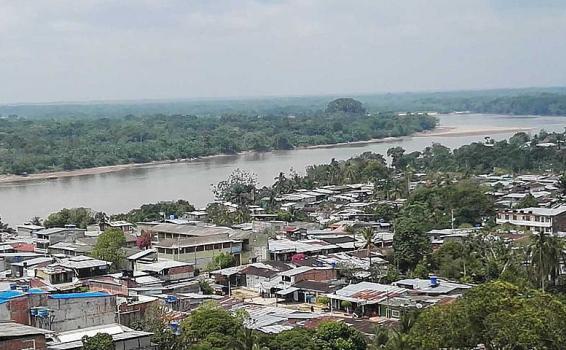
(47, 144)
(534, 101)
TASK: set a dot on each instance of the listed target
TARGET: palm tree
(546, 252)
(368, 234)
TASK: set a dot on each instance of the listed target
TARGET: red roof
(23, 247)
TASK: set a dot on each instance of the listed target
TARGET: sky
(69, 50)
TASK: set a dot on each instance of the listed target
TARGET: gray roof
(142, 254)
(424, 286)
(190, 230)
(82, 262)
(32, 262)
(14, 330)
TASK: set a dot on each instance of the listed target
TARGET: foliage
(221, 261)
(345, 105)
(40, 145)
(239, 188)
(156, 211)
(528, 201)
(144, 240)
(205, 287)
(546, 252)
(513, 155)
(221, 215)
(100, 341)
(411, 241)
(5, 228)
(210, 324)
(339, 336)
(81, 217)
(294, 339)
(109, 246)
(497, 314)
(157, 320)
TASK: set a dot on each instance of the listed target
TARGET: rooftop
(10, 329)
(191, 230)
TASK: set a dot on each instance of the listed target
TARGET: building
(123, 337)
(85, 266)
(15, 336)
(547, 220)
(168, 270)
(371, 299)
(46, 237)
(199, 251)
(28, 229)
(26, 268)
(123, 226)
(174, 231)
(432, 286)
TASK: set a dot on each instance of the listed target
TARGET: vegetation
(109, 246)
(518, 154)
(81, 217)
(30, 146)
(497, 314)
(156, 211)
(100, 341)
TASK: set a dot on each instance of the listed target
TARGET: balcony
(524, 223)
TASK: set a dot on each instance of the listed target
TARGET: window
(209, 247)
(506, 216)
(395, 314)
(226, 245)
(200, 248)
(190, 249)
(514, 217)
(537, 218)
(218, 246)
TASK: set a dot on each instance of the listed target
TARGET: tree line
(30, 146)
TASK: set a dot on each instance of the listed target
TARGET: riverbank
(465, 131)
(439, 131)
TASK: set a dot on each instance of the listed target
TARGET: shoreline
(440, 131)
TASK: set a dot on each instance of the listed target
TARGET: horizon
(267, 97)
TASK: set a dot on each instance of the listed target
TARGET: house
(124, 338)
(174, 231)
(70, 248)
(28, 229)
(143, 257)
(46, 237)
(547, 220)
(16, 336)
(199, 251)
(58, 278)
(85, 266)
(371, 299)
(121, 225)
(285, 249)
(20, 269)
(168, 270)
(196, 215)
(432, 286)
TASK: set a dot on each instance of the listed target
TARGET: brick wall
(24, 343)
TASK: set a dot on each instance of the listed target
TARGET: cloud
(87, 50)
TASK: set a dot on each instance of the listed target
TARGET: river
(123, 190)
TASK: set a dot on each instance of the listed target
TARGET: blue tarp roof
(78, 295)
(10, 294)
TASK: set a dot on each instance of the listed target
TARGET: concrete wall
(70, 314)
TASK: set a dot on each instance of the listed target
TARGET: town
(364, 250)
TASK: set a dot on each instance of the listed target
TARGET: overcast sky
(130, 49)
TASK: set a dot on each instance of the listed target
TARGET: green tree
(100, 341)
(109, 246)
(239, 188)
(157, 320)
(368, 235)
(546, 254)
(81, 217)
(339, 336)
(528, 201)
(345, 105)
(212, 325)
(294, 339)
(411, 242)
(496, 314)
